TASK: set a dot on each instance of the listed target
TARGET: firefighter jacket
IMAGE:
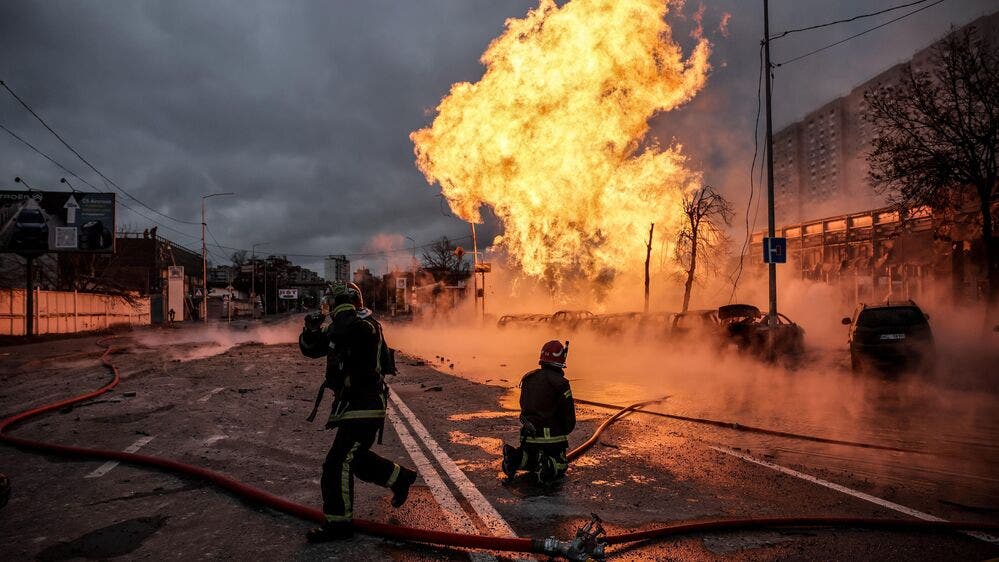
(547, 410)
(353, 345)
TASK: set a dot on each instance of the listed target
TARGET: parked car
(890, 337)
(521, 320)
(571, 319)
(31, 232)
(615, 323)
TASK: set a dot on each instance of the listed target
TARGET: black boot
(330, 531)
(400, 488)
(511, 461)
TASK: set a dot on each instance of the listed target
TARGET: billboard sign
(56, 221)
(290, 294)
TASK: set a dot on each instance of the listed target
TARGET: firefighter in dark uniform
(354, 348)
(547, 416)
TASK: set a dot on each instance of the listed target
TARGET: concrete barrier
(65, 312)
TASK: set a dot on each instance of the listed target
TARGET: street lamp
(253, 279)
(204, 257)
(65, 181)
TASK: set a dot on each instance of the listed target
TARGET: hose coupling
(584, 547)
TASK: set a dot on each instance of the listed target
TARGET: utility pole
(253, 279)
(648, 256)
(29, 280)
(475, 267)
(771, 227)
(204, 258)
(29, 294)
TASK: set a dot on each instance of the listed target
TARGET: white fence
(63, 312)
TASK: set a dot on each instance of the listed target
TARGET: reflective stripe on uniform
(568, 393)
(541, 440)
(359, 414)
(342, 308)
(395, 474)
(348, 508)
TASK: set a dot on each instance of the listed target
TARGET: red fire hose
(507, 544)
(749, 428)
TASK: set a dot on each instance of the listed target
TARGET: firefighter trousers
(349, 456)
(546, 460)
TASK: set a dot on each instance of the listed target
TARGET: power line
(854, 18)
(216, 242)
(374, 254)
(84, 160)
(214, 239)
(87, 183)
(854, 36)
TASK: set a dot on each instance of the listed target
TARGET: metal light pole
(771, 227)
(412, 267)
(29, 280)
(204, 258)
(253, 279)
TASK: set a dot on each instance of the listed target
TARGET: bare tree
(701, 238)
(239, 258)
(937, 137)
(443, 262)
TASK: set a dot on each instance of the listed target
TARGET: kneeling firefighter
(547, 416)
(356, 360)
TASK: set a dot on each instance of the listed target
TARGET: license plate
(892, 336)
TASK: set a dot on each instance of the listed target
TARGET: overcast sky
(304, 108)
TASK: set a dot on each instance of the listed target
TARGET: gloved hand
(527, 428)
(314, 321)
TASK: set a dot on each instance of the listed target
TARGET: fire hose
(588, 543)
(746, 428)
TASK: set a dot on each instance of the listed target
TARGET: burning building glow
(552, 137)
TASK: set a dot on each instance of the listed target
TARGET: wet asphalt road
(240, 410)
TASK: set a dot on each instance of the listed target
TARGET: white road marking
(208, 396)
(849, 491)
(109, 466)
(453, 511)
(492, 519)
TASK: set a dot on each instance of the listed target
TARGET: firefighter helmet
(344, 293)
(554, 353)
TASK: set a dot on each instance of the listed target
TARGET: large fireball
(553, 137)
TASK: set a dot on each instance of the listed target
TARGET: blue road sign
(774, 250)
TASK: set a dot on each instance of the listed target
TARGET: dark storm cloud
(304, 108)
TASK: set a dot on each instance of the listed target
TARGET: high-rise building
(337, 268)
(820, 162)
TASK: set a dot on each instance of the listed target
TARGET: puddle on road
(107, 542)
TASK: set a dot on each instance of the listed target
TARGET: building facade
(820, 162)
(337, 268)
(887, 253)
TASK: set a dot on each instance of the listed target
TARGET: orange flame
(552, 136)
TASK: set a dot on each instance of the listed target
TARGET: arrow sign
(71, 206)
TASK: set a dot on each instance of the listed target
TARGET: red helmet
(554, 353)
